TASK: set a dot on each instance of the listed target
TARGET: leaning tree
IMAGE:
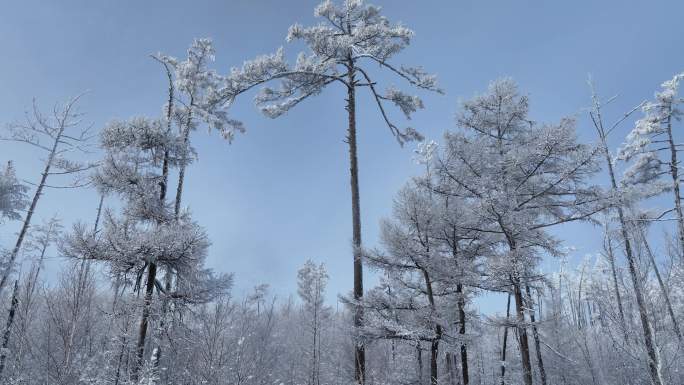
(58, 136)
(352, 38)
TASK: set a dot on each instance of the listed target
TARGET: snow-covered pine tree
(353, 38)
(145, 237)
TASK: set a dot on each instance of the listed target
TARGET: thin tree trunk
(8, 327)
(461, 331)
(360, 351)
(434, 346)
(119, 362)
(82, 280)
(535, 335)
(674, 172)
(505, 342)
(450, 368)
(163, 188)
(181, 170)
(144, 321)
(616, 287)
(649, 341)
(419, 358)
(522, 332)
(663, 288)
(34, 202)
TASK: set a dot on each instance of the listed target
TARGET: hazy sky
(279, 194)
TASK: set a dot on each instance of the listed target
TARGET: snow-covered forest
(127, 296)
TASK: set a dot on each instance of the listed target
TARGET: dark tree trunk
(434, 356)
(360, 351)
(535, 335)
(450, 368)
(144, 321)
(461, 331)
(505, 342)
(419, 358)
(8, 327)
(434, 346)
(522, 332)
(163, 188)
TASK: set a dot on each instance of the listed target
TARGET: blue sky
(279, 194)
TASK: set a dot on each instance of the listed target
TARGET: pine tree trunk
(505, 342)
(8, 327)
(535, 335)
(360, 351)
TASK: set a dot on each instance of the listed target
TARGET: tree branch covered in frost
(350, 34)
(203, 90)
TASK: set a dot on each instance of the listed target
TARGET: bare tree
(56, 136)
